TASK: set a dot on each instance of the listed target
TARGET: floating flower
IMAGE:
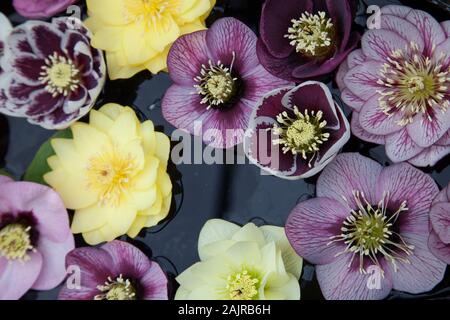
(295, 132)
(117, 166)
(398, 85)
(439, 241)
(34, 238)
(37, 9)
(367, 230)
(303, 39)
(218, 80)
(115, 271)
(137, 35)
(52, 75)
(247, 263)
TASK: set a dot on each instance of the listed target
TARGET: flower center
(110, 173)
(243, 286)
(59, 74)
(311, 34)
(369, 232)
(413, 84)
(15, 242)
(302, 134)
(119, 289)
(216, 84)
(151, 11)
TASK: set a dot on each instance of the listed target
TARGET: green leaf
(39, 166)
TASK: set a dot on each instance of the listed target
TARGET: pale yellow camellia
(247, 263)
(113, 174)
(137, 34)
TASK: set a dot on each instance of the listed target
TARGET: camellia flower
(367, 230)
(115, 271)
(295, 132)
(52, 76)
(218, 80)
(247, 263)
(41, 8)
(34, 238)
(137, 35)
(303, 39)
(398, 85)
(439, 241)
(113, 174)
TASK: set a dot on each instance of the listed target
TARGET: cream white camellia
(248, 263)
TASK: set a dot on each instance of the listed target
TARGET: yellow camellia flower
(247, 263)
(137, 34)
(113, 174)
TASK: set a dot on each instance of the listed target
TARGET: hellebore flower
(115, 271)
(137, 35)
(295, 132)
(34, 238)
(367, 230)
(52, 76)
(117, 166)
(398, 85)
(37, 9)
(302, 39)
(218, 80)
(247, 263)
(439, 241)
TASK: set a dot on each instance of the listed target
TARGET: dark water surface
(238, 193)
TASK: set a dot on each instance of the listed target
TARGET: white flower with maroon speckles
(51, 74)
(398, 85)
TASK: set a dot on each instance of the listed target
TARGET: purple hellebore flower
(398, 85)
(115, 271)
(52, 75)
(303, 39)
(34, 238)
(37, 9)
(295, 132)
(439, 241)
(367, 231)
(218, 80)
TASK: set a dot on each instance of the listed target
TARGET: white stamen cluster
(15, 242)
(414, 84)
(118, 289)
(310, 33)
(59, 74)
(368, 233)
(302, 134)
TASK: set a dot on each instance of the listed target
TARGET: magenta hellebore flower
(303, 39)
(295, 132)
(439, 242)
(217, 81)
(52, 76)
(37, 9)
(34, 238)
(115, 271)
(367, 231)
(398, 85)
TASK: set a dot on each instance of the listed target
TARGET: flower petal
(440, 249)
(400, 147)
(379, 44)
(213, 231)
(440, 220)
(425, 132)
(375, 121)
(155, 283)
(359, 131)
(362, 80)
(430, 156)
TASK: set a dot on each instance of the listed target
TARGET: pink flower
(398, 85)
(41, 8)
(439, 241)
(34, 238)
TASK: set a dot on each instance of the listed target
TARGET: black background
(238, 193)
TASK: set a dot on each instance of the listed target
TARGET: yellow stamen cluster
(15, 242)
(111, 174)
(414, 84)
(60, 75)
(302, 134)
(242, 286)
(368, 232)
(311, 33)
(150, 11)
(119, 289)
(216, 84)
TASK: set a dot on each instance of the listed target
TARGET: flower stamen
(15, 242)
(118, 289)
(60, 75)
(242, 286)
